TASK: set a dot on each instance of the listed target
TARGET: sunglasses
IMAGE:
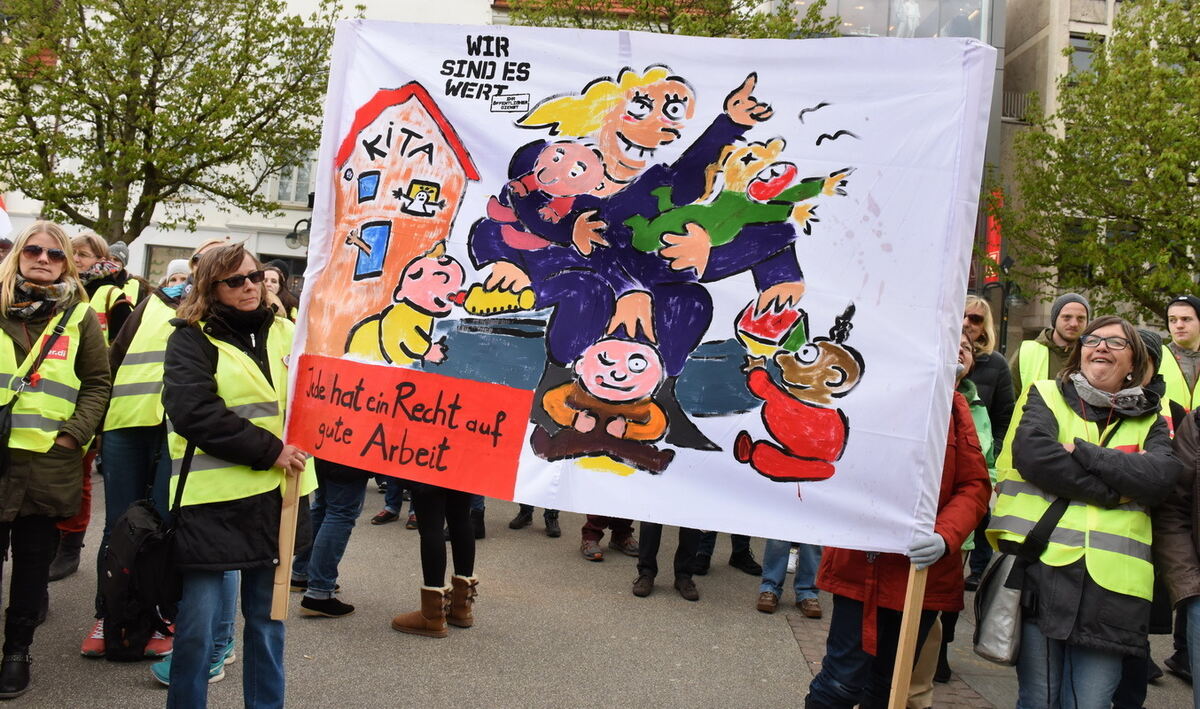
(35, 251)
(974, 318)
(240, 280)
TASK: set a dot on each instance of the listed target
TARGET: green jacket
(51, 483)
(1058, 360)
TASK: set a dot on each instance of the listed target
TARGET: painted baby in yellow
(402, 333)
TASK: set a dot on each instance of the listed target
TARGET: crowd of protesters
(185, 382)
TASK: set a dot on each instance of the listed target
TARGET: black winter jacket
(238, 534)
(994, 383)
(1066, 603)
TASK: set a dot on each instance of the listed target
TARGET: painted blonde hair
(92, 242)
(11, 266)
(582, 115)
(987, 339)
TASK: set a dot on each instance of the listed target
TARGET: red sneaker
(93, 644)
(160, 645)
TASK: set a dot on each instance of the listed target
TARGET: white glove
(926, 549)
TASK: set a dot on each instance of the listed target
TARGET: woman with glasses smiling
(225, 394)
(1090, 450)
(60, 394)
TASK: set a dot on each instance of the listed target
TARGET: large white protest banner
(706, 282)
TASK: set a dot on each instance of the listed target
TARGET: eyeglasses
(974, 318)
(240, 280)
(1114, 343)
(35, 251)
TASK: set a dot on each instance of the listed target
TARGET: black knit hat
(1186, 300)
(1154, 346)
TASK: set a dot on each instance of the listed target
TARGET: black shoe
(687, 588)
(972, 582)
(523, 519)
(744, 561)
(552, 528)
(385, 516)
(328, 607)
(643, 585)
(1153, 672)
(477, 524)
(941, 675)
(66, 561)
(14, 675)
(1177, 665)
(700, 564)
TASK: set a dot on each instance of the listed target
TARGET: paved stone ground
(552, 630)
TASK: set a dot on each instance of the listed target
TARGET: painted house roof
(386, 98)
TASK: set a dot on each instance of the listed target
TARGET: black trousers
(30, 543)
(651, 538)
(438, 505)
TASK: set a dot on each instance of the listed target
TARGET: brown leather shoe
(643, 585)
(767, 602)
(687, 588)
(591, 550)
(430, 621)
(627, 545)
(810, 607)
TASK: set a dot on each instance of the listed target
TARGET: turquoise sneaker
(161, 670)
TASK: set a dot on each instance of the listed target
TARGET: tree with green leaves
(1108, 200)
(701, 18)
(116, 114)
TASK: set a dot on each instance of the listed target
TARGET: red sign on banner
(410, 424)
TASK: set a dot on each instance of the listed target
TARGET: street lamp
(298, 236)
(1010, 297)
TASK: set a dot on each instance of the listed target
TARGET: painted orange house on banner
(400, 175)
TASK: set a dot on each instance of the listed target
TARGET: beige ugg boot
(463, 590)
(430, 621)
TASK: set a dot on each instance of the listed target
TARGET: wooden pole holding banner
(906, 648)
(287, 545)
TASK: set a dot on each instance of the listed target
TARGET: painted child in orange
(609, 408)
(808, 436)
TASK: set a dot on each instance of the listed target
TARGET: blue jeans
(393, 497)
(130, 474)
(850, 676)
(262, 640)
(1193, 641)
(335, 507)
(1052, 673)
(774, 563)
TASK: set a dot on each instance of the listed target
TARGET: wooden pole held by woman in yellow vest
(287, 545)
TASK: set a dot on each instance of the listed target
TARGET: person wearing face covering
(1092, 447)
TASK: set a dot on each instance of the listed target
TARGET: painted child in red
(808, 435)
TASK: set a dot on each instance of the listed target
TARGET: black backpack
(139, 584)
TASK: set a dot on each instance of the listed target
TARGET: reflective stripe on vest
(137, 386)
(1034, 366)
(1114, 542)
(247, 393)
(1177, 388)
(43, 406)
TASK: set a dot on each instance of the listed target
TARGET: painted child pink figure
(402, 333)
(609, 408)
(562, 172)
(808, 436)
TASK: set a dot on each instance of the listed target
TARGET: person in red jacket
(868, 588)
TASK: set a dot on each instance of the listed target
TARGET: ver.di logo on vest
(62, 346)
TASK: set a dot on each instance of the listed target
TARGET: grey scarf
(1128, 402)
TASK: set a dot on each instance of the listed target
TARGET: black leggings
(436, 505)
(30, 543)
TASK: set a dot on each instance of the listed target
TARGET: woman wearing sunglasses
(1091, 447)
(225, 395)
(56, 412)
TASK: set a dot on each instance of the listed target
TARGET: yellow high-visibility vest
(102, 301)
(246, 392)
(1177, 388)
(137, 384)
(1035, 363)
(1114, 542)
(44, 405)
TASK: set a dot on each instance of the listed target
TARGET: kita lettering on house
(402, 333)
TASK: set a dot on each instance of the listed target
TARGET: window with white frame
(296, 181)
